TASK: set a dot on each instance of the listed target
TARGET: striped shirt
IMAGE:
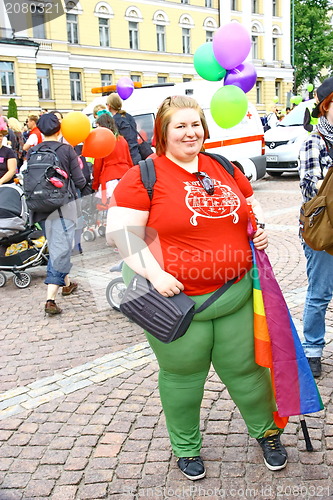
(314, 162)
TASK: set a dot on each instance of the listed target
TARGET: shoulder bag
(316, 216)
(166, 318)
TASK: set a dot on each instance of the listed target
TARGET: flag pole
(308, 443)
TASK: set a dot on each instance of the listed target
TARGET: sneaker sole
(193, 478)
(275, 467)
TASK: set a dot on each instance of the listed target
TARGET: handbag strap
(220, 291)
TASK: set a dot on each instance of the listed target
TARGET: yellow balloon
(75, 127)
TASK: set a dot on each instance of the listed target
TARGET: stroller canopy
(13, 210)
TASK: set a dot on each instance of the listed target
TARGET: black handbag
(166, 318)
(144, 148)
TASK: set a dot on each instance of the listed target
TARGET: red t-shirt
(200, 239)
(113, 166)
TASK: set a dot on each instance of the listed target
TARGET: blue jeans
(60, 236)
(319, 268)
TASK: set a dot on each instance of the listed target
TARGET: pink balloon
(125, 87)
(243, 76)
(231, 45)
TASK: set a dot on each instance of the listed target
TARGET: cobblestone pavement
(80, 416)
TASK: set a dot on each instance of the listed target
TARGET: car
(242, 144)
(283, 142)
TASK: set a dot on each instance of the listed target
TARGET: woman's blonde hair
(115, 102)
(14, 124)
(168, 107)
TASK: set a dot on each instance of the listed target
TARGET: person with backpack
(191, 235)
(125, 124)
(316, 158)
(50, 180)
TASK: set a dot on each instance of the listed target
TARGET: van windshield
(296, 115)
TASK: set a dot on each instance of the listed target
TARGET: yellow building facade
(57, 58)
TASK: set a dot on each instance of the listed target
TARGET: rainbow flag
(278, 347)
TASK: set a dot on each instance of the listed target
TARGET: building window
(209, 36)
(275, 48)
(38, 21)
(258, 91)
(136, 78)
(274, 8)
(278, 90)
(160, 34)
(161, 79)
(254, 47)
(72, 28)
(254, 6)
(186, 37)
(209, 4)
(43, 83)
(233, 5)
(7, 78)
(184, 1)
(133, 35)
(75, 80)
(106, 79)
(104, 32)
(187, 79)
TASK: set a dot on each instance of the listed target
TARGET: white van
(243, 143)
(284, 141)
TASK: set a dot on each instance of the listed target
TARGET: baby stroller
(94, 217)
(21, 245)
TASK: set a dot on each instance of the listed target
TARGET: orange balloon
(99, 143)
(75, 127)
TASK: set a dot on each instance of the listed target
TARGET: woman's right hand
(166, 284)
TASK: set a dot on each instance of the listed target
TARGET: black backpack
(45, 183)
(148, 174)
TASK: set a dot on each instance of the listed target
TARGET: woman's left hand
(260, 239)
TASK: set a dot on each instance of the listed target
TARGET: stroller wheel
(115, 292)
(22, 280)
(101, 230)
(89, 235)
(3, 279)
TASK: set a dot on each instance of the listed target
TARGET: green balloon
(309, 87)
(206, 65)
(276, 99)
(228, 106)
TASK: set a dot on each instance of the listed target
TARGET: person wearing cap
(315, 160)
(8, 161)
(59, 226)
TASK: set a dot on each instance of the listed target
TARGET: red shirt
(37, 132)
(113, 166)
(200, 239)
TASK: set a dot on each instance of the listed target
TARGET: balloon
(228, 106)
(231, 45)
(125, 87)
(206, 65)
(75, 127)
(309, 87)
(244, 76)
(99, 143)
(276, 99)
(296, 99)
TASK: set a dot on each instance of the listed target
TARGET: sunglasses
(206, 182)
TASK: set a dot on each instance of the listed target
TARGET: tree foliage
(313, 40)
(12, 108)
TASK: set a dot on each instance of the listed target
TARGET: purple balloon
(231, 45)
(244, 76)
(125, 87)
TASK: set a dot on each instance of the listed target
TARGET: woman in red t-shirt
(109, 170)
(192, 237)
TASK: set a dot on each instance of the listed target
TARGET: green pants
(223, 335)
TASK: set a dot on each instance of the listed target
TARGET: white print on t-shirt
(223, 203)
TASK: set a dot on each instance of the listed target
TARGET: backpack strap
(222, 160)
(148, 175)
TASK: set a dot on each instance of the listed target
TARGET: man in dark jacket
(59, 226)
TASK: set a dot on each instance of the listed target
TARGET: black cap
(48, 124)
(323, 91)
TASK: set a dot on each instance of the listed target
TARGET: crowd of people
(222, 335)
